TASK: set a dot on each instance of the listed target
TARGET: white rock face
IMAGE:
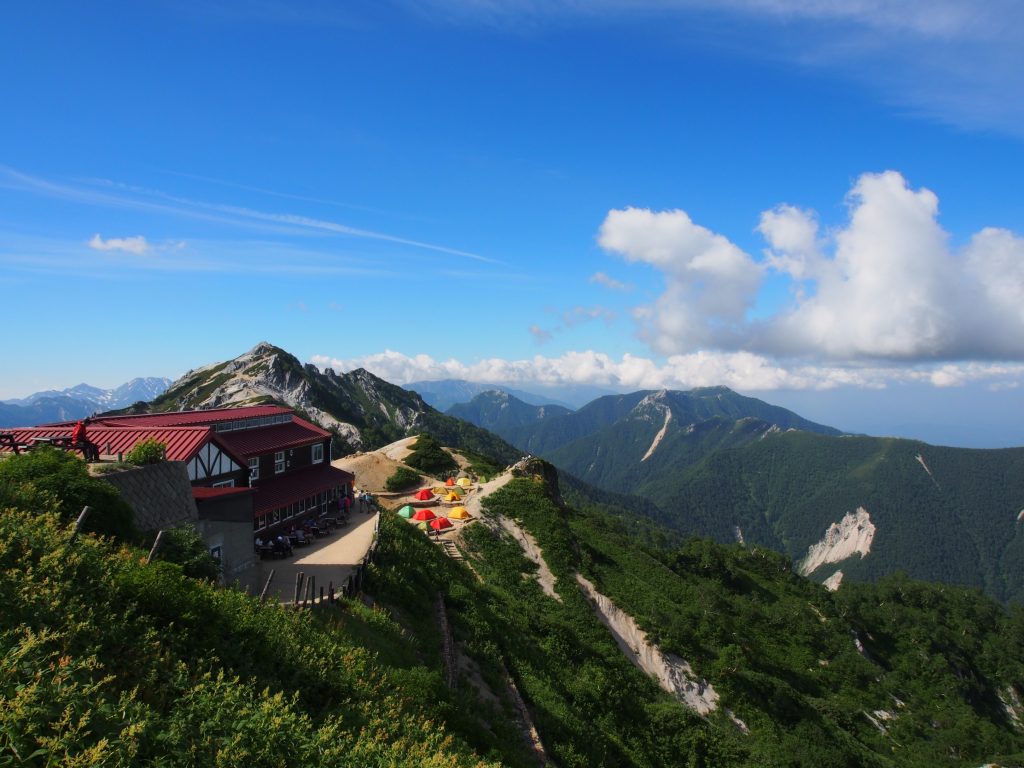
(832, 582)
(661, 433)
(672, 673)
(850, 536)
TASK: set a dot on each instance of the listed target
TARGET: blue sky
(818, 204)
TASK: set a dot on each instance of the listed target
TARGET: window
(318, 453)
(261, 522)
(225, 484)
(279, 462)
(254, 468)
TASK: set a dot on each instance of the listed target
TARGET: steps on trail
(450, 549)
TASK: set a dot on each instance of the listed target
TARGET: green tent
(406, 512)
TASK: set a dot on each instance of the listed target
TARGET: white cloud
(885, 285)
(136, 245)
(710, 283)
(792, 235)
(893, 287)
(743, 371)
(610, 282)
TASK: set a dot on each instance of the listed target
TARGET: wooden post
(321, 595)
(156, 546)
(266, 587)
(298, 586)
(80, 522)
(330, 591)
(312, 588)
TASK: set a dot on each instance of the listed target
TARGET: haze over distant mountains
(77, 402)
(444, 393)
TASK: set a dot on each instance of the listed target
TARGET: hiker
(80, 440)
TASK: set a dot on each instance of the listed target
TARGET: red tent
(440, 524)
(424, 514)
(424, 495)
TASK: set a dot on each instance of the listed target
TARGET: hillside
(362, 410)
(943, 514)
(715, 464)
(558, 623)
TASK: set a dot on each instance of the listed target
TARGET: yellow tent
(440, 490)
(464, 482)
(453, 497)
(458, 513)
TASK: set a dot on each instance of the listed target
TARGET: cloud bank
(884, 286)
(744, 371)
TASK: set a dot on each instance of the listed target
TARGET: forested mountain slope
(943, 514)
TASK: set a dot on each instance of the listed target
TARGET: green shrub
(66, 478)
(184, 546)
(429, 457)
(402, 478)
(148, 451)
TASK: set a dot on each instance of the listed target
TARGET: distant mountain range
(77, 402)
(712, 463)
(445, 393)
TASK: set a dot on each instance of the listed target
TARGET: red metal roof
(293, 486)
(187, 418)
(200, 492)
(182, 442)
(252, 442)
(182, 418)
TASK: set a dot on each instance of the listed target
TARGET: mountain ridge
(362, 410)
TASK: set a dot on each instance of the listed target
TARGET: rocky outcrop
(673, 674)
(850, 536)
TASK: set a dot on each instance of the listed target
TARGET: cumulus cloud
(136, 245)
(894, 288)
(610, 282)
(792, 235)
(710, 282)
(744, 371)
(884, 285)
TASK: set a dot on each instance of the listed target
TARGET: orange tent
(424, 495)
(450, 482)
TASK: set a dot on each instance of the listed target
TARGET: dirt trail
(523, 538)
